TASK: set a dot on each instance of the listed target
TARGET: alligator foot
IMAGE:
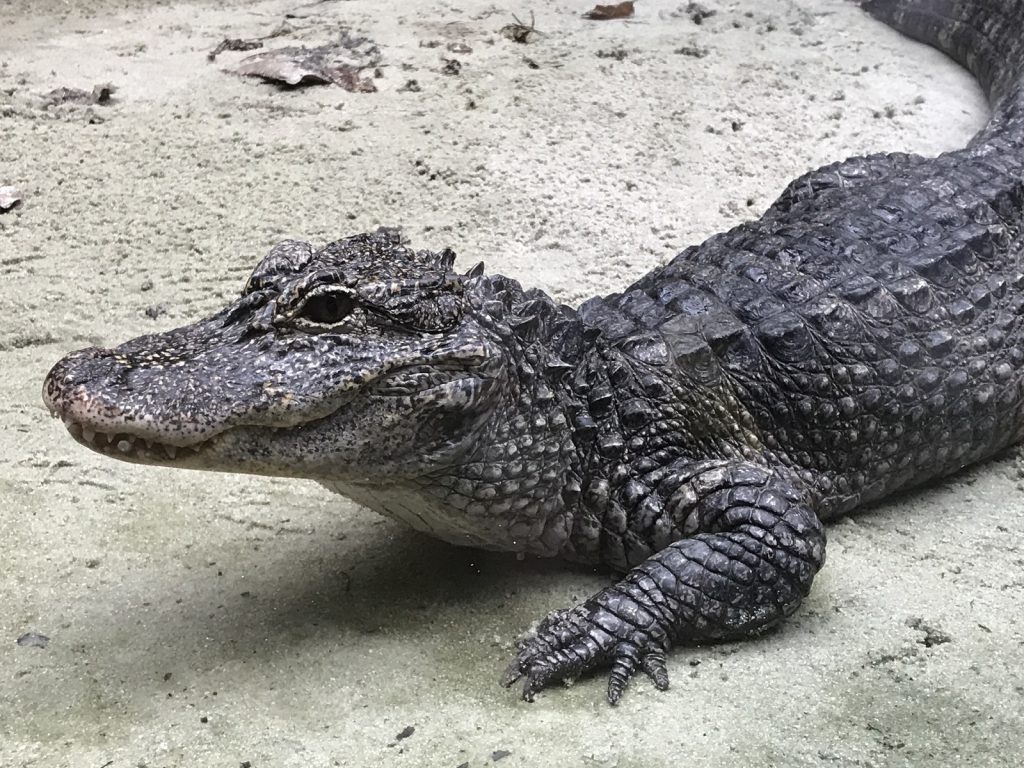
(752, 561)
(572, 641)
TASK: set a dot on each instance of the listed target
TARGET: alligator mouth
(124, 445)
(119, 434)
(116, 443)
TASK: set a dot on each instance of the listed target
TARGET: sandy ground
(213, 620)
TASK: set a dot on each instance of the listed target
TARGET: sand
(200, 619)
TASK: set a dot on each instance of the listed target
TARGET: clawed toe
(627, 658)
(569, 643)
(654, 665)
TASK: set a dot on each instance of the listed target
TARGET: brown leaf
(65, 95)
(233, 44)
(10, 197)
(100, 94)
(349, 79)
(340, 63)
(606, 12)
(288, 66)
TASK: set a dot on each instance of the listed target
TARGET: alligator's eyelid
(319, 290)
(322, 290)
(345, 302)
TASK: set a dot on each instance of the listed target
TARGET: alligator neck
(515, 486)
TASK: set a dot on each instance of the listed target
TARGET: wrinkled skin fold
(694, 431)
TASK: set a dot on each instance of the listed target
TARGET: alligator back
(871, 323)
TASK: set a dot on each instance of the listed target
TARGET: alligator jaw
(114, 440)
(106, 429)
(127, 446)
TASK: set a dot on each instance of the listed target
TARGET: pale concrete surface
(214, 620)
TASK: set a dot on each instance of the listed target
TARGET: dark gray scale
(837, 333)
(821, 186)
(865, 335)
(891, 324)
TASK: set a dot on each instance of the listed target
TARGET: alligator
(693, 432)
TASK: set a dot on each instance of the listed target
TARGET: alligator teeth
(88, 434)
(124, 446)
(172, 451)
(149, 444)
(110, 437)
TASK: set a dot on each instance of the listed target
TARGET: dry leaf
(698, 12)
(606, 12)
(100, 94)
(340, 63)
(10, 197)
(233, 44)
(519, 32)
(238, 44)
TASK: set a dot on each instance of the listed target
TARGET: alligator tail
(985, 36)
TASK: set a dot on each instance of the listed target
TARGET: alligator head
(364, 360)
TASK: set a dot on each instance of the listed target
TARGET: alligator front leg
(755, 548)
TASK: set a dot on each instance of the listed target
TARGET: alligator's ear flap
(285, 258)
(476, 271)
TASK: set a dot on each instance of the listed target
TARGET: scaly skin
(865, 335)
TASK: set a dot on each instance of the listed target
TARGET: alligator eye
(327, 308)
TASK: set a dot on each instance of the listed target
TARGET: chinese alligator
(865, 335)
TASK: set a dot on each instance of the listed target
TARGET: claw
(653, 664)
(537, 678)
(618, 679)
(512, 673)
(622, 669)
(570, 642)
(529, 690)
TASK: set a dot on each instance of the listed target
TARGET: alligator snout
(66, 388)
(77, 391)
